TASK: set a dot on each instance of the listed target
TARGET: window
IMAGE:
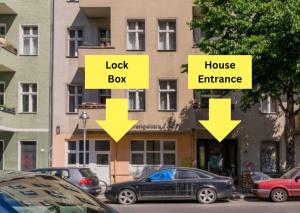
(153, 152)
(186, 175)
(104, 38)
(81, 152)
(28, 155)
(136, 35)
(29, 43)
(163, 175)
(102, 149)
(75, 40)
(75, 97)
(203, 97)
(136, 100)
(75, 152)
(269, 155)
(2, 93)
(103, 95)
(268, 105)
(167, 95)
(197, 35)
(2, 30)
(166, 35)
(28, 98)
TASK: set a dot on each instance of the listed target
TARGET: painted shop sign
(156, 127)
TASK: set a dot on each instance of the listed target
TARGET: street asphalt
(250, 205)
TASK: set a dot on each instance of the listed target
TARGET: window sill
(72, 113)
(27, 55)
(137, 110)
(268, 113)
(135, 50)
(71, 56)
(167, 110)
(166, 50)
(28, 113)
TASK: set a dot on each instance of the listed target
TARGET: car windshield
(290, 174)
(41, 193)
(86, 173)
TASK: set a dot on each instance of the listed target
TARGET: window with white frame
(28, 97)
(29, 43)
(75, 40)
(166, 35)
(2, 93)
(153, 152)
(136, 100)
(75, 152)
(167, 95)
(267, 105)
(75, 94)
(135, 35)
(103, 95)
(2, 30)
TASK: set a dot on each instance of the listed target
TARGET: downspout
(51, 85)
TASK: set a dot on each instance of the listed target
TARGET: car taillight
(85, 181)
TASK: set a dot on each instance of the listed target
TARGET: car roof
(54, 168)
(6, 175)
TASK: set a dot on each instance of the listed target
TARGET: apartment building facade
(25, 46)
(168, 133)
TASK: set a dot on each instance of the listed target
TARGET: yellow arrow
(220, 123)
(117, 123)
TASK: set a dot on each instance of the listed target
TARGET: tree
(269, 30)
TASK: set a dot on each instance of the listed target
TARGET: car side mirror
(297, 178)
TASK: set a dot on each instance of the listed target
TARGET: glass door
(28, 155)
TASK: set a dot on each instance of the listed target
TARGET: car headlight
(108, 188)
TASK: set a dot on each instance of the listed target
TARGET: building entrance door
(218, 158)
(100, 159)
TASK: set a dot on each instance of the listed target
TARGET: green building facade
(25, 70)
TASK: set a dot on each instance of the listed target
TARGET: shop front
(218, 158)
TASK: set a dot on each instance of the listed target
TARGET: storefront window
(269, 157)
(153, 152)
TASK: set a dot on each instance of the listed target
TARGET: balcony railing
(8, 55)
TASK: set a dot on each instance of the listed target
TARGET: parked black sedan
(173, 184)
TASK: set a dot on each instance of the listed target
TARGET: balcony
(7, 119)
(5, 9)
(93, 50)
(8, 55)
(95, 8)
(95, 112)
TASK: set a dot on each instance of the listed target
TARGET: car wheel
(279, 195)
(126, 197)
(206, 196)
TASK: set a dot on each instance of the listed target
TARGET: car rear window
(86, 173)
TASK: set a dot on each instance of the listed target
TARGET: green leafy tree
(269, 30)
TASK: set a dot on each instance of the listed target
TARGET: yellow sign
(117, 123)
(220, 72)
(220, 123)
(117, 72)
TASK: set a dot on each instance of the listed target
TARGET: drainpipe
(51, 85)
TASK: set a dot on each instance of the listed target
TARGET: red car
(280, 189)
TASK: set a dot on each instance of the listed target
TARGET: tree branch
(296, 112)
(281, 105)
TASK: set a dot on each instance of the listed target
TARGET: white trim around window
(168, 91)
(268, 106)
(2, 93)
(19, 152)
(32, 37)
(30, 93)
(167, 35)
(138, 96)
(161, 152)
(138, 33)
(77, 39)
(78, 97)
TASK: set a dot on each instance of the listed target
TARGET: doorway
(218, 158)
(27, 160)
